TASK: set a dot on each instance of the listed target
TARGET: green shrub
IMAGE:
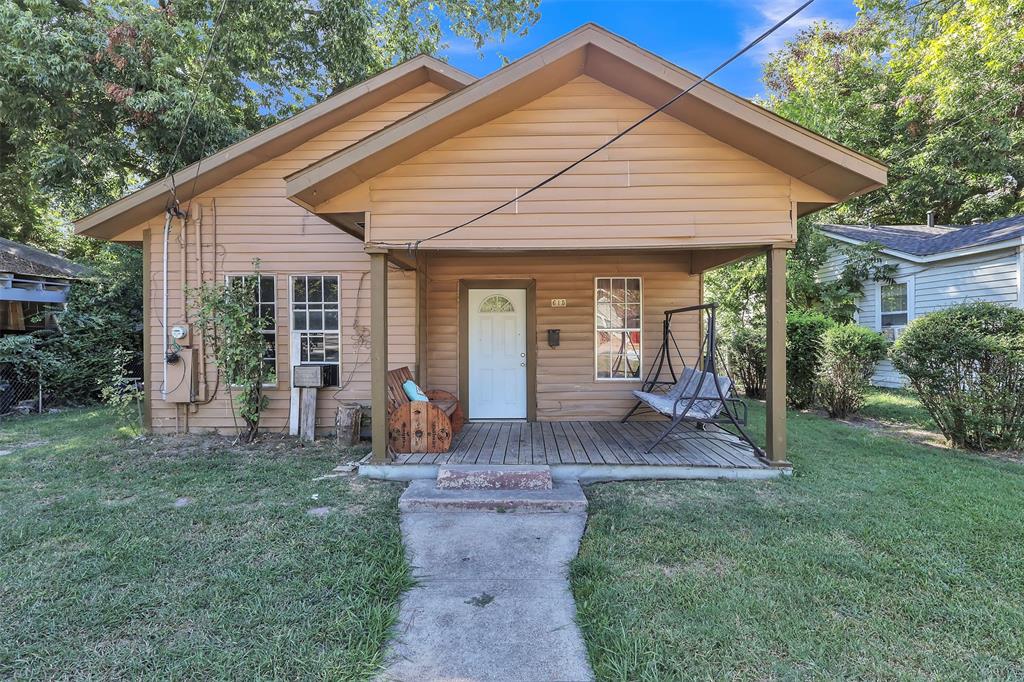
(849, 353)
(98, 330)
(804, 330)
(966, 363)
(124, 395)
(747, 357)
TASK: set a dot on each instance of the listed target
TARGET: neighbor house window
(894, 308)
(316, 322)
(265, 294)
(617, 327)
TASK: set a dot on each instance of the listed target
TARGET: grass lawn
(897, 406)
(879, 559)
(102, 577)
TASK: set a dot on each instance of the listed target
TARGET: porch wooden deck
(591, 442)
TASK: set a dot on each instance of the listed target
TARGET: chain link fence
(20, 390)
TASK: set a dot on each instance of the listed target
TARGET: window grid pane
(894, 298)
(264, 289)
(316, 316)
(617, 325)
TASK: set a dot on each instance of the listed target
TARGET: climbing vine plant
(227, 317)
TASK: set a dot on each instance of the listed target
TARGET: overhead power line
(192, 106)
(751, 45)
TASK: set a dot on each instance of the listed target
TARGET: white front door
(497, 354)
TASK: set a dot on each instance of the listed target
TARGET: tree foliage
(740, 289)
(98, 331)
(94, 95)
(934, 89)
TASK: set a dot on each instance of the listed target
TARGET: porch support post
(379, 351)
(421, 318)
(775, 413)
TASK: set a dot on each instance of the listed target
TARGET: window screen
(894, 305)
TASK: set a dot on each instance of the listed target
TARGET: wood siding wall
(992, 276)
(252, 218)
(566, 387)
(667, 183)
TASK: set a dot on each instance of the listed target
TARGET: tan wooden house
(345, 204)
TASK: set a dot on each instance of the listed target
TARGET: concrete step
(493, 477)
(424, 496)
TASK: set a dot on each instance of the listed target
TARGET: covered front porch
(590, 451)
(571, 421)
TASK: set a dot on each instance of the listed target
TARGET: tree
(740, 289)
(94, 95)
(935, 89)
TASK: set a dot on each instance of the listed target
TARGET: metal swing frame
(732, 411)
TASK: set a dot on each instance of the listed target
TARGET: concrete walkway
(492, 600)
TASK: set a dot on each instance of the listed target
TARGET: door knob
(522, 364)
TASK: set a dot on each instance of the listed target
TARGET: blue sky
(695, 34)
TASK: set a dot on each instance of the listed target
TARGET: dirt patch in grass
(918, 436)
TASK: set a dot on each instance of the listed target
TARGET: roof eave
(351, 166)
(151, 200)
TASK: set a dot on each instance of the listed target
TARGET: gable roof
(21, 259)
(932, 243)
(223, 165)
(835, 170)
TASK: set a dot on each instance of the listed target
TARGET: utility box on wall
(182, 377)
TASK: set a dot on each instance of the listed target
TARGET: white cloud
(768, 12)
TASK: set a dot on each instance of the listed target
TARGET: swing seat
(700, 396)
(674, 402)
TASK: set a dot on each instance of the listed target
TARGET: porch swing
(697, 393)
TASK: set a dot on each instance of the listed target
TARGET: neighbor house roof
(834, 170)
(211, 171)
(923, 241)
(21, 259)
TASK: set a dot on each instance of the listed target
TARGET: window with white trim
(894, 308)
(265, 309)
(618, 307)
(316, 322)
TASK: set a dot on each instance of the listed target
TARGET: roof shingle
(922, 240)
(21, 259)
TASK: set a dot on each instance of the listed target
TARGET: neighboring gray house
(937, 266)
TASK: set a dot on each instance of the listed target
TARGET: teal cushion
(414, 392)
